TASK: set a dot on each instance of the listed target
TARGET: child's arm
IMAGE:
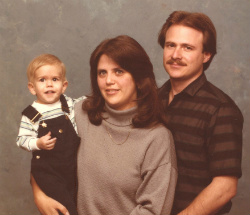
(27, 137)
(72, 101)
(79, 99)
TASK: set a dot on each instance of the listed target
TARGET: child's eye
(55, 79)
(42, 79)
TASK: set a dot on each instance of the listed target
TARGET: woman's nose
(110, 79)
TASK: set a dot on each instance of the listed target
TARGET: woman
(126, 159)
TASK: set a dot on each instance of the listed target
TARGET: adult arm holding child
(45, 204)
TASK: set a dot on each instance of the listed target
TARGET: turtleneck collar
(119, 118)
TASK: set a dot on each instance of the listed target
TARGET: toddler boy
(48, 129)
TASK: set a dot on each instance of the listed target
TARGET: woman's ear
(31, 88)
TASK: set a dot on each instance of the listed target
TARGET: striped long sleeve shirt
(28, 131)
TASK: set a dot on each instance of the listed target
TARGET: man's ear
(65, 85)
(32, 88)
(207, 57)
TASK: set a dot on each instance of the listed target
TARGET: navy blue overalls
(55, 171)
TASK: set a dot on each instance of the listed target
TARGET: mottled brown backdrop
(71, 29)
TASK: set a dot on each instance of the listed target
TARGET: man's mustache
(177, 61)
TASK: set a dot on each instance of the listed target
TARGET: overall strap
(32, 114)
(64, 103)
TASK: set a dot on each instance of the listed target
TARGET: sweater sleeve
(159, 176)
(27, 135)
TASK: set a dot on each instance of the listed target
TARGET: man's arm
(221, 190)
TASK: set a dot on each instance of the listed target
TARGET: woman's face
(116, 85)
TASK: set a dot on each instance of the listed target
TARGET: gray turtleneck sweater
(124, 170)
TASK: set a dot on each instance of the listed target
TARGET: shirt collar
(119, 118)
(192, 88)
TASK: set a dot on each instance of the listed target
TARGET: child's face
(48, 84)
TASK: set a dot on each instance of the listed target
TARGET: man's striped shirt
(207, 128)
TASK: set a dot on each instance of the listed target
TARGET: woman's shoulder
(160, 149)
(161, 130)
(78, 105)
(78, 109)
(158, 136)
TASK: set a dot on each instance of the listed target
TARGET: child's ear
(65, 85)
(32, 88)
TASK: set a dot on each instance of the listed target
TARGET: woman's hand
(49, 206)
(45, 204)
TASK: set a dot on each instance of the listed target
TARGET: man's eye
(188, 48)
(170, 45)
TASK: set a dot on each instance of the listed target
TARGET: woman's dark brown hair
(129, 55)
(198, 21)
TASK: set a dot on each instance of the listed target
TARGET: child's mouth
(49, 92)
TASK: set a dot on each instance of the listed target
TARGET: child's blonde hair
(42, 60)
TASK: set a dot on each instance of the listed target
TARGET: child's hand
(45, 142)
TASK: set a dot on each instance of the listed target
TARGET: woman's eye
(119, 71)
(101, 72)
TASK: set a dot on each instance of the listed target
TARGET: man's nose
(177, 53)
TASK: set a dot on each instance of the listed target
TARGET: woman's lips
(111, 91)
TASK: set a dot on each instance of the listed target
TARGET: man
(205, 122)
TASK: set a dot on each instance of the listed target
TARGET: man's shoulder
(217, 94)
(220, 99)
(164, 90)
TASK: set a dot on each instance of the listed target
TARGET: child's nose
(49, 83)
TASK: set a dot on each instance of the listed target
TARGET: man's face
(183, 55)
